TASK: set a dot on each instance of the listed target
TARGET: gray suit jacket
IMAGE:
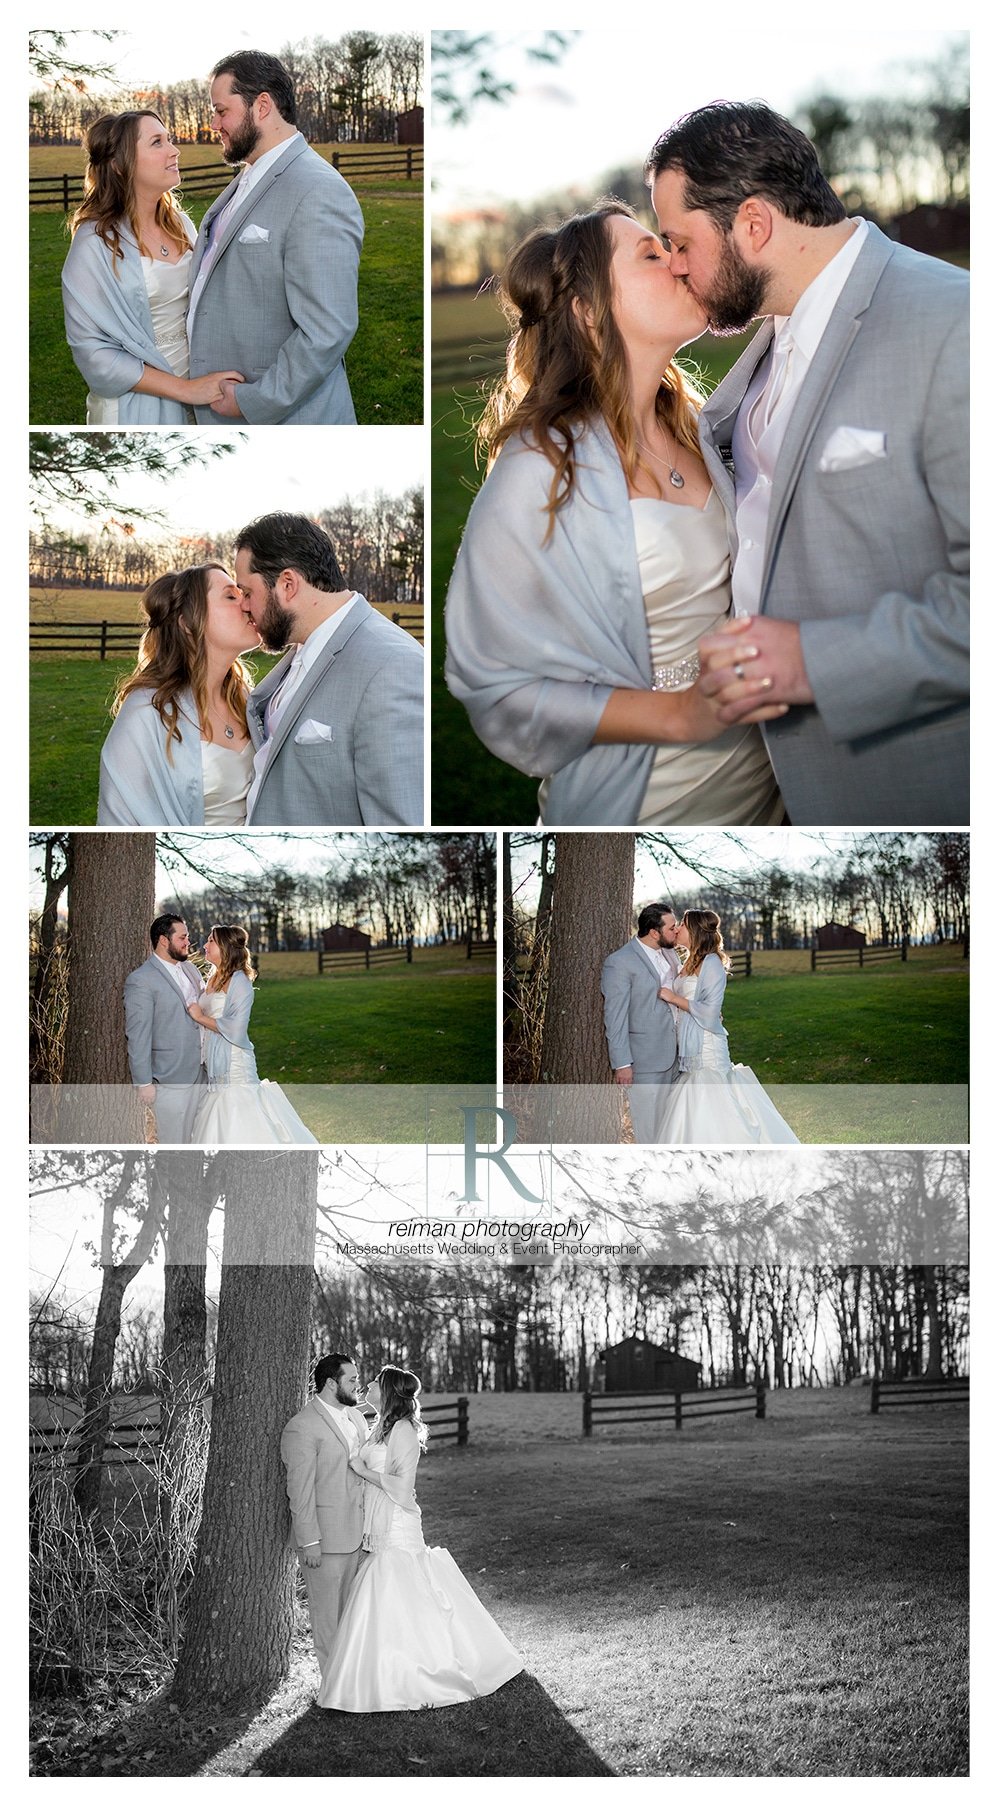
(367, 687)
(164, 1043)
(325, 1495)
(638, 1025)
(872, 561)
(281, 305)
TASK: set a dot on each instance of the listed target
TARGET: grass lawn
(385, 361)
(786, 1598)
(467, 784)
(890, 1025)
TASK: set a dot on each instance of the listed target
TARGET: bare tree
(111, 901)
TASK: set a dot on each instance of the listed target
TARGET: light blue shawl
(703, 1016)
(540, 632)
(140, 788)
(109, 326)
(230, 1032)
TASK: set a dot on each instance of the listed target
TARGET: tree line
(350, 89)
(883, 153)
(379, 541)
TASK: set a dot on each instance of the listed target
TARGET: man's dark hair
(162, 926)
(650, 915)
(283, 542)
(254, 73)
(328, 1369)
(731, 150)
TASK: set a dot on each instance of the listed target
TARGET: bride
(712, 1101)
(414, 1634)
(596, 554)
(238, 1107)
(126, 280)
(179, 751)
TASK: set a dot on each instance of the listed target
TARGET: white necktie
(212, 248)
(777, 380)
(288, 684)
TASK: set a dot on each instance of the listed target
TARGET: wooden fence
(954, 1391)
(648, 1406)
(451, 1415)
(393, 160)
(138, 1440)
(479, 950)
(100, 637)
(343, 960)
(839, 958)
(411, 619)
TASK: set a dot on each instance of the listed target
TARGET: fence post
(104, 640)
(463, 1418)
(678, 1412)
(409, 950)
(749, 963)
(904, 947)
(319, 960)
(874, 1393)
(409, 163)
(761, 1400)
(368, 956)
(65, 193)
(335, 159)
(588, 1415)
(812, 959)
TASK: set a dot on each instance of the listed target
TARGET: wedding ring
(765, 684)
(738, 671)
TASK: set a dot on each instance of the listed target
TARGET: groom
(274, 278)
(325, 1495)
(640, 1028)
(338, 725)
(839, 445)
(164, 1043)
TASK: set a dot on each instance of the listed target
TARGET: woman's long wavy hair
(234, 955)
(567, 360)
(173, 656)
(705, 930)
(109, 185)
(400, 1390)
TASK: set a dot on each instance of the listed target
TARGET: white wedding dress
(414, 1634)
(715, 1101)
(227, 774)
(237, 1107)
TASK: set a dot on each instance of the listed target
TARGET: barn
(839, 935)
(635, 1366)
(339, 939)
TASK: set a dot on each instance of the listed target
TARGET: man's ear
(753, 226)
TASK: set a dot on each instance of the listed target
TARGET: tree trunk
(96, 1420)
(45, 1009)
(190, 1196)
(591, 915)
(239, 1630)
(111, 902)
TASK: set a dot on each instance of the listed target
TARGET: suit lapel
(330, 1423)
(718, 417)
(290, 717)
(206, 225)
(840, 334)
(253, 198)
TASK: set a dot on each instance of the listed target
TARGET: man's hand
(227, 407)
(312, 1556)
(623, 1076)
(750, 661)
(147, 1094)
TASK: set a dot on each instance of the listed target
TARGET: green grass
(384, 364)
(892, 1025)
(467, 784)
(786, 1598)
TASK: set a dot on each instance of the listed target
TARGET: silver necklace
(675, 476)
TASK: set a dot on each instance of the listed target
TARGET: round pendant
(230, 733)
(676, 479)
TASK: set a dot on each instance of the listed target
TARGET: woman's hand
(200, 1016)
(698, 717)
(204, 392)
(669, 997)
(358, 1466)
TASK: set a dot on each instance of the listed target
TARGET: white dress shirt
(305, 656)
(766, 411)
(342, 1419)
(181, 974)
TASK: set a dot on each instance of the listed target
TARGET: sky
(156, 48)
(312, 469)
(604, 104)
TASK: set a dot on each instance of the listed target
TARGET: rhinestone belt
(676, 677)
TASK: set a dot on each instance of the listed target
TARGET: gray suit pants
(328, 1588)
(646, 1101)
(175, 1108)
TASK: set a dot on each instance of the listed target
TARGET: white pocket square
(849, 447)
(254, 235)
(313, 732)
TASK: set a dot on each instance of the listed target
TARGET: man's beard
(243, 141)
(276, 625)
(346, 1398)
(737, 296)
